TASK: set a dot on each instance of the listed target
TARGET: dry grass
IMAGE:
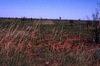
(31, 47)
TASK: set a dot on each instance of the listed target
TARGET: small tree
(59, 18)
(71, 22)
(96, 25)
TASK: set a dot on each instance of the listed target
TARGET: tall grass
(39, 46)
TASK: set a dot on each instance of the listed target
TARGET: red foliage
(46, 40)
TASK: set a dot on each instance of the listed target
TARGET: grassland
(39, 42)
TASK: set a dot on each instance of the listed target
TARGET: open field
(39, 42)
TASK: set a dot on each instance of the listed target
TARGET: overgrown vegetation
(56, 43)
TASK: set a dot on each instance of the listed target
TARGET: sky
(51, 9)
